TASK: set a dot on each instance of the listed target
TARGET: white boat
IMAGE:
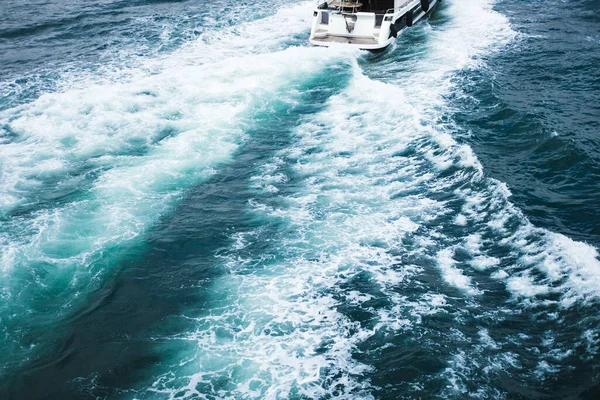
(365, 24)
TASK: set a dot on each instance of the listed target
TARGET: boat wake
(86, 172)
(379, 250)
(392, 245)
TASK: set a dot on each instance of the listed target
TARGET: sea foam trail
(86, 172)
(384, 199)
(114, 118)
(229, 29)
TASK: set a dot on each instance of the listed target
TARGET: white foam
(525, 286)
(225, 36)
(569, 268)
(452, 275)
(265, 35)
(486, 339)
(481, 262)
(580, 265)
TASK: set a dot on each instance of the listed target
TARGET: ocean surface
(196, 204)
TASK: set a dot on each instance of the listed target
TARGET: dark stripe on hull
(418, 14)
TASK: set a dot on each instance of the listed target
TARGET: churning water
(195, 204)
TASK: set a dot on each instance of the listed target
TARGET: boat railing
(325, 4)
(399, 9)
(339, 4)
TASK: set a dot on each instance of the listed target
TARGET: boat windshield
(377, 6)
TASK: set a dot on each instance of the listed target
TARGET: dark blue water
(194, 203)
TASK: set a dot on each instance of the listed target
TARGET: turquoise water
(195, 203)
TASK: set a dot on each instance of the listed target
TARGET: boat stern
(365, 30)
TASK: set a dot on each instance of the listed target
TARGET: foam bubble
(485, 338)
(525, 286)
(452, 275)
